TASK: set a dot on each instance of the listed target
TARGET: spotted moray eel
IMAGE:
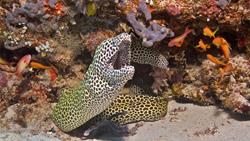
(129, 107)
(98, 93)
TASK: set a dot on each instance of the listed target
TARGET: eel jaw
(121, 58)
(116, 68)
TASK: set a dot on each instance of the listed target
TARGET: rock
(25, 136)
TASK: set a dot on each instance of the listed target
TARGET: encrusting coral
(208, 86)
(47, 14)
(233, 89)
(40, 16)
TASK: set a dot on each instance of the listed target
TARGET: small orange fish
(218, 41)
(52, 73)
(208, 32)
(224, 46)
(226, 51)
(3, 62)
(202, 45)
(37, 65)
(215, 60)
(22, 64)
(178, 41)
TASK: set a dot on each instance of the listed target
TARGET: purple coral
(32, 10)
(35, 16)
(151, 34)
(144, 9)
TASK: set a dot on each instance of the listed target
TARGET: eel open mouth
(122, 57)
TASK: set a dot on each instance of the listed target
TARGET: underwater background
(150, 70)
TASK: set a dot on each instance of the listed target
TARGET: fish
(178, 41)
(3, 62)
(217, 41)
(37, 65)
(215, 60)
(202, 45)
(223, 45)
(52, 73)
(226, 51)
(208, 32)
(22, 64)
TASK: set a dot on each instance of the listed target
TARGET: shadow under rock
(233, 115)
(104, 130)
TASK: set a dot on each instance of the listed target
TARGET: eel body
(98, 94)
(100, 87)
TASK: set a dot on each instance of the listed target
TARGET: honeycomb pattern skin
(98, 94)
(133, 108)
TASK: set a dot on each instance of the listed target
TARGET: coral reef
(233, 90)
(151, 34)
(45, 12)
(48, 46)
(160, 79)
(93, 39)
(209, 87)
(22, 21)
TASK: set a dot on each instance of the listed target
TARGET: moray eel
(98, 94)
(147, 55)
(106, 75)
(133, 108)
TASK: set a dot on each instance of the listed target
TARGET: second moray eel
(106, 76)
(129, 107)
